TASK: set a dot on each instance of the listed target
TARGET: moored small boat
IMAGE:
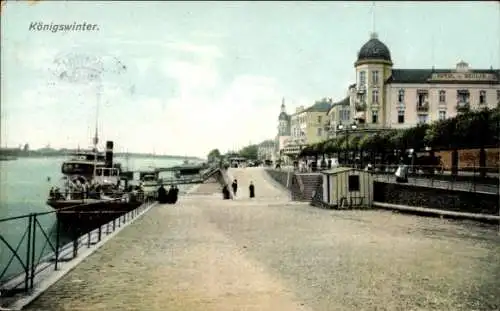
(93, 192)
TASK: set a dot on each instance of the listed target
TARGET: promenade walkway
(269, 254)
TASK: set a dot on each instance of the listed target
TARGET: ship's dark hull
(85, 216)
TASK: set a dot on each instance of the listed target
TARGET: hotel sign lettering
(463, 76)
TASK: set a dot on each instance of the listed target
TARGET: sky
(186, 77)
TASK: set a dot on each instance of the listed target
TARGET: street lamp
(347, 129)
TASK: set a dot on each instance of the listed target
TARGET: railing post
(88, 238)
(28, 251)
(33, 250)
(474, 178)
(58, 224)
(75, 242)
(114, 224)
(432, 176)
(99, 234)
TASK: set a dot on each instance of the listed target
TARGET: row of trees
(249, 152)
(474, 129)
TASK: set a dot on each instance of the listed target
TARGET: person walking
(162, 195)
(225, 193)
(234, 185)
(170, 195)
(175, 195)
(251, 189)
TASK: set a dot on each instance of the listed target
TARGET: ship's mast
(96, 135)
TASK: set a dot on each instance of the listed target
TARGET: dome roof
(283, 116)
(374, 49)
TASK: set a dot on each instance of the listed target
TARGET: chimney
(109, 154)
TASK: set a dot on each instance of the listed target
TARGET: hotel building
(384, 97)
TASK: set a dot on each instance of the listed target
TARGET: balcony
(360, 106)
(463, 106)
(423, 106)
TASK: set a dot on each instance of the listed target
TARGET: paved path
(268, 254)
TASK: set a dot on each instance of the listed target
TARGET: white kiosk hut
(345, 187)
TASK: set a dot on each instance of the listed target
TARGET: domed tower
(284, 121)
(373, 68)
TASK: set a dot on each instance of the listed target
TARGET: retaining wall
(279, 176)
(444, 199)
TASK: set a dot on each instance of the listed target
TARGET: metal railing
(39, 248)
(472, 179)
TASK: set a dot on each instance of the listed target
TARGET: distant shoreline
(45, 154)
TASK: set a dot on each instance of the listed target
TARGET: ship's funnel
(109, 154)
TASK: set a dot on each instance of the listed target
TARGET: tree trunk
(482, 162)
(454, 162)
(432, 155)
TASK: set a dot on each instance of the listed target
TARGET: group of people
(76, 190)
(169, 197)
(55, 193)
(234, 185)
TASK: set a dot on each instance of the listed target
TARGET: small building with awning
(345, 187)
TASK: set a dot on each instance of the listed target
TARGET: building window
(375, 116)
(401, 116)
(442, 96)
(375, 77)
(401, 96)
(463, 96)
(375, 97)
(362, 98)
(344, 115)
(422, 118)
(498, 95)
(482, 97)
(442, 115)
(319, 119)
(362, 78)
(320, 131)
(422, 97)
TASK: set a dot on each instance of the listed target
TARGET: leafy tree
(250, 152)
(213, 155)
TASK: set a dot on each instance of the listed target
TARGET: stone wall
(279, 176)
(450, 200)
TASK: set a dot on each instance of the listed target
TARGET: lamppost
(347, 129)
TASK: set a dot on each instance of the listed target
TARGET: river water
(24, 188)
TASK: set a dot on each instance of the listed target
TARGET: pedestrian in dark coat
(170, 195)
(175, 195)
(225, 193)
(162, 195)
(251, 188)
(234, 185)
